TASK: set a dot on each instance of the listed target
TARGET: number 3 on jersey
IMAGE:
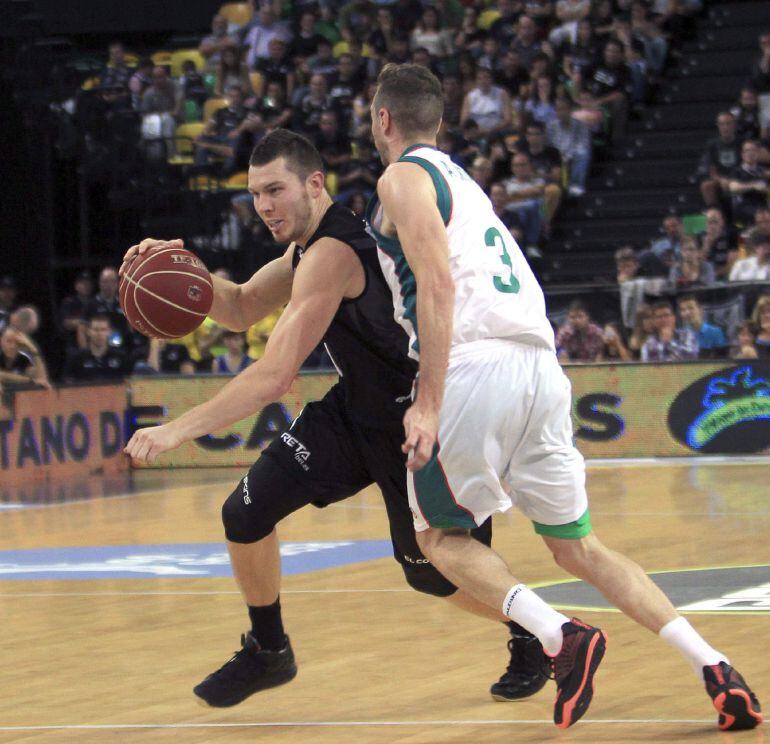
(506, 282)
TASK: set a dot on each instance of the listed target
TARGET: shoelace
(230, 667)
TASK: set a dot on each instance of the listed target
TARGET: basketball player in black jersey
(331, 279)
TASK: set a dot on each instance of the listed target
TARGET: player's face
(281, 200)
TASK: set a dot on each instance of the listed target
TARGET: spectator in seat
(579, 339)
(761, 225)
(73, 307)
(113, 79)
(691, 268)
(644, 327)
(193, 87)
(20, 361)
(169, 358)
(526, 43)
(757, 266)
(346, 84)
(626, 264)
(718, 242)
(503, 28)
(607, 85)
(98, 361)
(722, 156)
(514, 221)
(453, 100)
(573, 141)
(277, 67)
(615, 349)
(667, 342)
(331, 142)
(222, 132)
(429, 34)
(306, 39)
(212, 46)
(745, 342)
(260, 32)
(666, 250)
(546, 164)
(488, 105)
(360, 173)
(526, 193)
(323, 61)
(106, 302)
(712, 343)
(746, 113)
(307, 113)
(748, 184)
(7, 299)
(232, 70)
(258, 334)
(541, 104)
(161, 108)
(761, 321)
(481, 171)
(511, 74)
(760, 79)
(568, 14)
(140, 81)
(235, 359)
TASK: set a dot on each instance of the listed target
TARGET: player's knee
(243, 518)
(423, 577)
(575, 555)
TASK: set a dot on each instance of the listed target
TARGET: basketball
(166, 293)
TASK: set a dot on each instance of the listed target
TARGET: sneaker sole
(735, 710)
(572, 710)
(279, 680)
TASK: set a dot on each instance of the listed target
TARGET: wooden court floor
(114, 659)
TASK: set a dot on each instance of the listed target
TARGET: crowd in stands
(532, 88)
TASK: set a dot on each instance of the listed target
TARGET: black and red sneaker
(573, 668)
(528, 669)
(736, 704)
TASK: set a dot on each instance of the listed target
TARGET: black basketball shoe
(736, 704)
(528, 670)
(574, 668)
(250, 670)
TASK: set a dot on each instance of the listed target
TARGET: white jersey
(496, 293)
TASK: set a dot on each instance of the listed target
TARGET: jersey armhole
(443, 194)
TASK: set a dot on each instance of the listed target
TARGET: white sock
(683, 637)
(524, 607)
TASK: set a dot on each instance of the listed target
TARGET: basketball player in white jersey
(490, 423)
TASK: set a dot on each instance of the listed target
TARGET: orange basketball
(166, 293)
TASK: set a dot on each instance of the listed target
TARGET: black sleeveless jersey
(364, 341)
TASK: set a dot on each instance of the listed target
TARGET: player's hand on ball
(421, 429)
(147, 444)
(148, 244)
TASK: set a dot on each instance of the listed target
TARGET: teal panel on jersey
(443, 194)
(435, 498)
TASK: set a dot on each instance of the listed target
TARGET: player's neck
(398, 148)
(318, 209)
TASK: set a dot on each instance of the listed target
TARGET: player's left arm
(322, 280)
(408, 197)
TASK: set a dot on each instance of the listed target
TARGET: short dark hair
(687, 297)
(534, 124)
(298, 152)
(577, 306)
(412, 94)
(758, 238)
(661, 305)
(99, 317)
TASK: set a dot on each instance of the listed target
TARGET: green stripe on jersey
(443, 194)
(435, 498)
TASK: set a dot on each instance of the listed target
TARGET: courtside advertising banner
(70, 431)
(624, 410)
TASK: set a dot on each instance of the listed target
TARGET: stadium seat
(256, 80)
(162, 58)
(183, 142)
(179, 57)
(342, 47)
(238, 181)
(332, 183)
(238, 13)
(211, 105)
(487, 18)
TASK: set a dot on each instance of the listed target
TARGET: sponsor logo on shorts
(301, 453)
(246, 497)
(726, 412)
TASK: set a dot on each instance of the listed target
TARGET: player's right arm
(236, 306)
